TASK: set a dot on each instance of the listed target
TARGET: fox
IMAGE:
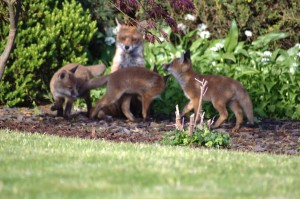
(127, 81)
(221, 91)
(129, 47)
(129, 53)
(67, 82)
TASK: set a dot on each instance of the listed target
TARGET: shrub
(50, 34)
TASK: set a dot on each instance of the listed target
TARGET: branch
(13, 21)
(178, 122)
(203, 90)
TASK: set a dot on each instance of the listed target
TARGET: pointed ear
(73, 70)
(118, 23)
(62, 75)
(154, 68)
(187, 55)
(141, 26)
(181, 59)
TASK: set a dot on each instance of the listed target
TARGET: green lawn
(43, 166)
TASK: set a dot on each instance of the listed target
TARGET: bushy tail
(247, 107)
(93, 83)
(96, 70)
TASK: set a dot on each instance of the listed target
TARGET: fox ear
(154, 68)
(62, 75)
(118, 23)
(187, 55)
(141, 26)
(181, 59)
(73, 70)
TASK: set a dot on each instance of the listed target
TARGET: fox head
(129, 37)
(179, 65)
(65, 84)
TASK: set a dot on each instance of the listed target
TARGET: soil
(268, 136)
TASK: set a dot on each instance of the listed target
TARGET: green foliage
(50, 34)
(201, 137)
(250, 15)
(271, 78)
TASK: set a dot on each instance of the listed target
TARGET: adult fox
(67, 82)
(221, 91)
(129, 47)
(129, 53)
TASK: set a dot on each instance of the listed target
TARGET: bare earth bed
(269, 136)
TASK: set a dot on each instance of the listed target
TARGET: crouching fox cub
(133, 80)
(221, 91)
(67, 82)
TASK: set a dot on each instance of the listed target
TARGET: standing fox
(67, 82)
(129, 53)
(129, 47)
(133, 80)
(221, 91)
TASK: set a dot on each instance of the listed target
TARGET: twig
(203, 90)
(192, 124)
(177, 114)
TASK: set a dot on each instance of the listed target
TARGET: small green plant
(197, 135)
(201, 137)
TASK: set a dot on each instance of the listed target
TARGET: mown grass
(43, 166)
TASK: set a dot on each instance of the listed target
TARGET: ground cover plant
(41, 166)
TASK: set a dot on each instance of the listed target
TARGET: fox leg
(188, 107)
(237, 110)
(146, 100)
(58, 106)
(125, 106)
(109, 98)
(68, 108)
(88, 102)
(221, 108)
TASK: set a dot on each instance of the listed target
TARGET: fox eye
(122, 38)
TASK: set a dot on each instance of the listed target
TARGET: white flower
(293, 68)
(265, 60)
(248, 33)
(182, 27)
(201, 27)
(190, 17)
(204, 34)
(298, 54)
(110, 40)
(297, 45)
(115, 30)
(217, 47)
(267, 54)
(214, 63)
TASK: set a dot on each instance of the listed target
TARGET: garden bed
(276, 137)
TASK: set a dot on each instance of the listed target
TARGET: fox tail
(247, 107)
(93, 83)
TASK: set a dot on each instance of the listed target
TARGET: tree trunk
(13, 20)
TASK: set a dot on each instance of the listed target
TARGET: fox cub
(67, 82)
(221, 91)
(129, 47)
(133, 80)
